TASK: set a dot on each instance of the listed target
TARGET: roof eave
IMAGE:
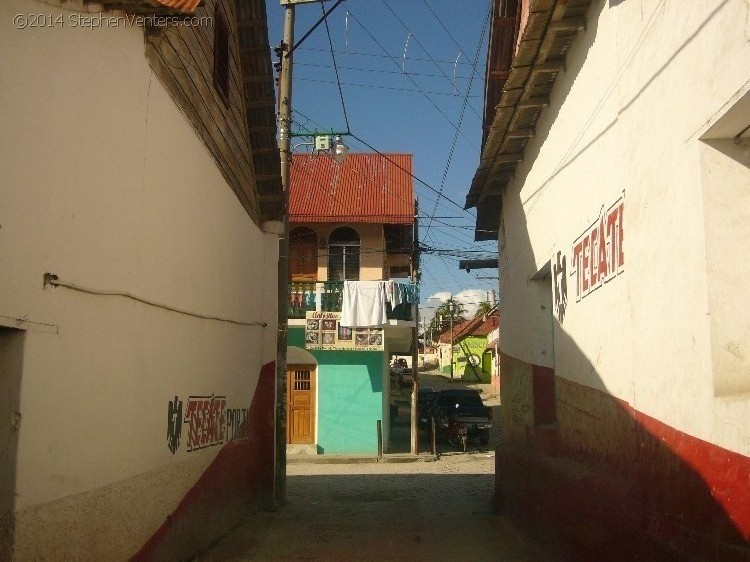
(551, 28)
(165, 8)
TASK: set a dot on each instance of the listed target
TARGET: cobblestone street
(438, 510)
(431, 511)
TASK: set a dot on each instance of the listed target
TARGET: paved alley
(421, 510)
(437, 510)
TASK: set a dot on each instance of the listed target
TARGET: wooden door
(300, 404)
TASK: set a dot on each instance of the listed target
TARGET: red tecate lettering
(585, 272)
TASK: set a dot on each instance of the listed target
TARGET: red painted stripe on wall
(727, 474)
(238, 480)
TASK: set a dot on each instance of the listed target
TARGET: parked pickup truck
(456, 410)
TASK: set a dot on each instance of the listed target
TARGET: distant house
(137, 327)
(352, 235)
(464, 352)
(492, 348)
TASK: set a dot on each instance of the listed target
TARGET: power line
(416, 39)
(335, 67)
(469, 142)
(375, 71)
(424, 183)
(461, 118)
(377, 55)
(378, 87)
(334, 199)
(455, 42)
(463, 240)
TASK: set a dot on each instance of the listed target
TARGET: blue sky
(414, 104)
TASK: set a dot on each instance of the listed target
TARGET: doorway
(543, 371)
(11, 363)
(301, 388)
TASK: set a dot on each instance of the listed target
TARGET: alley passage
(428, 511)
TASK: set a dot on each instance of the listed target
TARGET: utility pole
(415, 351)
(450, 315)
(285, 153)
(285, 52)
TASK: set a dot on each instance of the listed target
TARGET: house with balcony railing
(352, 302)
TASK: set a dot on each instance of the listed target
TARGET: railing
(328, 296)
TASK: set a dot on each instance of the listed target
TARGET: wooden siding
(545, 37)
(183, 58)
(260, 102)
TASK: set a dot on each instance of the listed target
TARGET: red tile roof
(365, 187)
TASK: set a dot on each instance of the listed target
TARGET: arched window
(343, 255)
(303, 254)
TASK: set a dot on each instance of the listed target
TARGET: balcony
(328, 296)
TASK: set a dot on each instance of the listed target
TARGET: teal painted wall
(350, 398)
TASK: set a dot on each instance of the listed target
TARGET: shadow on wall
(606, 475)
(613, 479)
(11, 364)
(623, 485)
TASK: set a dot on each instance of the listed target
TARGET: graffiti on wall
(598, 253)
(560, 286)
(174, 424)
(208, 421)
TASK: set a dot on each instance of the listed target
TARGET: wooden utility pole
(286, 51)
(450, 315)
(285, 153)
(415, 351)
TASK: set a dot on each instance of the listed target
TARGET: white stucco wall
(644, 82)
(106, 185)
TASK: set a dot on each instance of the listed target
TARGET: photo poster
(323, 331)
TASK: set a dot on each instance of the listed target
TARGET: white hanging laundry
(363, 305)
(395, 292)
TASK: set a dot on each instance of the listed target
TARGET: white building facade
(615, 174)
(137, 293)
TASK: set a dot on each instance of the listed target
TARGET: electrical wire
(429, 99)
(418, 42)
(461, 117)
(424, 183)
(455, 42)
(462, 240)
(54, 280)
(377, 55)
(470, 242)
(374, 71)
(335, 67)
(378, 87)
(309, 120)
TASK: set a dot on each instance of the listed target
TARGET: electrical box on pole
(323, 143)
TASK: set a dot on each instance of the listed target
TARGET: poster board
(324, 331)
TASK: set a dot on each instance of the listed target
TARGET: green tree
(442, 319)
(484, 308)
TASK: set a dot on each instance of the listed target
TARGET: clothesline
(364, 302)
